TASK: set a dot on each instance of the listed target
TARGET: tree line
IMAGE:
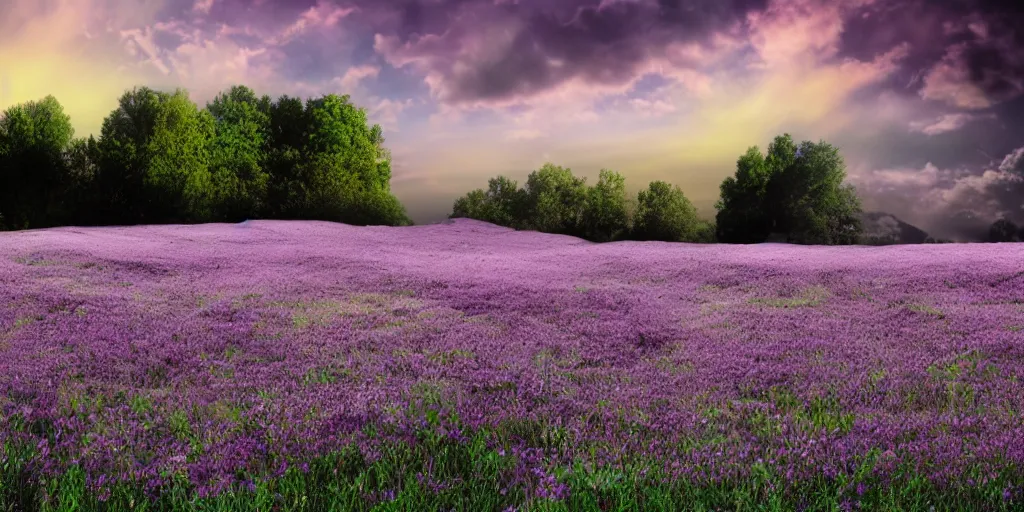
(1004, 230)
(161, 159)
(793, 193)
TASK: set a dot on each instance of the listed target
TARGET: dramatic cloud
(954, 203)
(507, 52)
(320, 16)
(918, 94)
(964, 54)
(976, 76)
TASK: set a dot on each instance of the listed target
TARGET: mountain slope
(881, 228)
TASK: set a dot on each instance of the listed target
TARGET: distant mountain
(881, 228)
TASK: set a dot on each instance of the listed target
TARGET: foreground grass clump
(309, 366)
(433, 471)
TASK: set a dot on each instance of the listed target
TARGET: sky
(925, 99)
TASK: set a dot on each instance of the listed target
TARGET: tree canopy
(503, 203)
(33, 139)
(663, 213)
(605, 214)
(795, 190)
(556, 201)
(161, 158)
(239, 150)
(177, 178)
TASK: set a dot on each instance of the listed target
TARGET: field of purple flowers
(314, 366)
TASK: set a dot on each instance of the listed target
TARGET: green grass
(927, 310)
(667, 364)
(300, 321)
(23, 321)
(437, 473)
(810, 297)
(447, 357)
(36, 261)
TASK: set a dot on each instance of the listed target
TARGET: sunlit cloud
(947, 123)
(466, 89)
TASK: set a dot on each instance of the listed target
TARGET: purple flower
(315, 338)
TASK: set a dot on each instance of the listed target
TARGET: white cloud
(652, 108)
(323, 14)
(385, 112)
(356, 74)
(946, 123)
(203, 6)
(1014, 163)
(930, 196)
(141, 41)
(949, 82)
(952, 81)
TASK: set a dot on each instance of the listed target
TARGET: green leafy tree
(664, 213)
(159, 158)
(744, 213)
(78, 189)
(289, 127)
(507, 201)
(473, 205)
(238, 153)
(372, 205)
(503, 203)
(33, 139)
(605, 215)
(337, 170)
(796, 191)
(555, 201)
(124, 157)
(325, 190)
(383, 157)
(178, 177)
(810, 202)
(340, 128)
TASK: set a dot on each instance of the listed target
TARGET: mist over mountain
(881, 228)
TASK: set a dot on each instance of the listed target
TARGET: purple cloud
(955, 203)
(500, 52)
(947, 123)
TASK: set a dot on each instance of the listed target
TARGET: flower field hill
(277, 365)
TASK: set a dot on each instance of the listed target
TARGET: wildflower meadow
(281, 365)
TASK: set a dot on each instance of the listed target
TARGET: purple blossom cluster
(225, 354)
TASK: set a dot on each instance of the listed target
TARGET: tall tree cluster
(33, 140)
(793, 193)
(553, 200)
(160, 158)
